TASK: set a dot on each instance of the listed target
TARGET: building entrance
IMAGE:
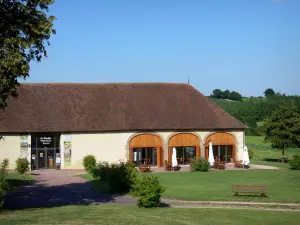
(45, 151)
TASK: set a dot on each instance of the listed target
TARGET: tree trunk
(282, 160)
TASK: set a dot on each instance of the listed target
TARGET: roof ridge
(104, 83)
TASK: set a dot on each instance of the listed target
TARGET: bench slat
(245, 188)
(249, 185)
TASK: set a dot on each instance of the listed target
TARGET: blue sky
(241, 45)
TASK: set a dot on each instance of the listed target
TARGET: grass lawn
(115, 214)
(263, 149)
(283, 185)
(16, 180)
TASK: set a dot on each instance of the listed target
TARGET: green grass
(97, 185)
(283, 185)
(16, 180)
(263, 150)
(115, 214)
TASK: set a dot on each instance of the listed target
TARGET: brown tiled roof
(80, 107)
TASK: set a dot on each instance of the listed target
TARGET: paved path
(59, 188)
(184, 202)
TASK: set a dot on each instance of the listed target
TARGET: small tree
(226, 94)
(282, 128)
(217, 93)
(235, 96)
(269, 93)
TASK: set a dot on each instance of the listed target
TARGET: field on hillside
(264, 150)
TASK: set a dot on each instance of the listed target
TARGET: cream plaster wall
(10, 149)
(109, 147)
(112, 147)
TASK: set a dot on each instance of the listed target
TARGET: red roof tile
(81, 107)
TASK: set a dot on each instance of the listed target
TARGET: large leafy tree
(235, 96)
(217, 93)
(282, 128)
(269, 93)
(25, 30)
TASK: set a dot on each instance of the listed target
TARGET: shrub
(101, 171)
(89, 162)
(251, 153)
(22, 165)
(120, 176)
(295, 162)
(3, 183)
(148, 191)
(200, 165)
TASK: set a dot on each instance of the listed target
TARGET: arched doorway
(223, 146)
(187, 146)
(146, 148)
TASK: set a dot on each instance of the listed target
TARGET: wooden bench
(249, 189)
(144, 168)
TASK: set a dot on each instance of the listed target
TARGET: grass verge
(115, 214)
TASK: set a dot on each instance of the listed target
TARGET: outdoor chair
(168, 166)
(239, 164)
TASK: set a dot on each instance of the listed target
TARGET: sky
(241, 45)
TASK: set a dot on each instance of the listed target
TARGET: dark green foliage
(282, 128)
(253, 110)
(148, 191)
(120, 176)
(295, 162)
(269, 93)
(89, 162)
(3, 183)
(200, 165)
(235, 96)
(25, 30)
(251, 153)
(219, 94)
(22, 165)
(226, 94)
(101, 171)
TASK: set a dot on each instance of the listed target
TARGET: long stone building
(55, 125)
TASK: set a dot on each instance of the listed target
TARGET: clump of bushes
(120, 176)
(22, 165)
(148, 191)
(295, 162)
(89, 163)
(251, 153)
(200, 165)
(3, 183)
(100, 171)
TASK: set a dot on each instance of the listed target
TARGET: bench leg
(236, 194)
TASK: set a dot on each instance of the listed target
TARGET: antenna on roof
(188, 80)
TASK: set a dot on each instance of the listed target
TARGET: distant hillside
(252, 112)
